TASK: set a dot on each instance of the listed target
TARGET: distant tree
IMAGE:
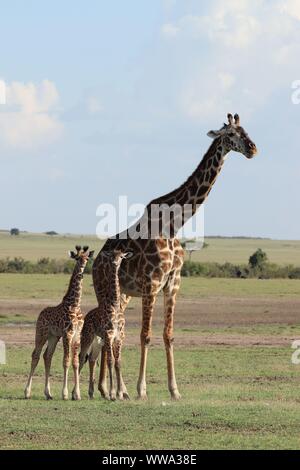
(15, 231)
(193, 245)
(258, 259)
(51, 233)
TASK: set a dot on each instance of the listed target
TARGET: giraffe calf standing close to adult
(104, 327)
(66, 321)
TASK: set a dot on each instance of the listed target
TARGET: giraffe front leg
(117, 356)
(75, 358)
(75, 363)
(148, 306)
(48, 354)
(122, 393)
(110, 364)
(102, 385)
(170, 292)
(124, 302)
(67, 340)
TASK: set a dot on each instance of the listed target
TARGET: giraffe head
(82, 254)
(234, 137)
(116, 257)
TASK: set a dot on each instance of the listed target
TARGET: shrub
(258, 259)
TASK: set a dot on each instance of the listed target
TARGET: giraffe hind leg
(93, 357)
(170, 292)
(40, 340)
(48, 354)
(148, 306)
(102, 385)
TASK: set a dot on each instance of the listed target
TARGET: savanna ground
(233, 360)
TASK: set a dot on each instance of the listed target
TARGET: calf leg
(48, 354)
(40, 340)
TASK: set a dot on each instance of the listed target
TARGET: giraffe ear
(128, 254)
(91, 254)
(214, 134)
(72, 254)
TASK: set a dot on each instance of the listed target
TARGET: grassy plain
(233, 352)
(235, 250)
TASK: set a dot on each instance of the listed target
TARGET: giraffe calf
(66, 321)
(104, 330)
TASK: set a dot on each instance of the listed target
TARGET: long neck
(109, 290)
(165, 215)
(73, 295)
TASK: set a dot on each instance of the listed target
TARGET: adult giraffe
(157, 260)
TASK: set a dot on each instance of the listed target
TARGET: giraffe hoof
(104, 394)
(142, 397)
(126, 396)
(75, 396)
(49, 397)
(175, 395)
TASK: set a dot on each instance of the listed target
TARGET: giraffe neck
(73, 295)
(159, 220)
(110, 291)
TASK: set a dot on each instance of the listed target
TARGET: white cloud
(93, 105)
(2, 92)
(248, 50)
(226, 80)
(29, 117)
(230, 23)
(292, 7)
(207, 95)
(55, 174)
(169, 30)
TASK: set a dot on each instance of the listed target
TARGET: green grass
(231, 398)
(31, 246)
(204, 287)
(53, 286)
(34, 246)
(237, 250)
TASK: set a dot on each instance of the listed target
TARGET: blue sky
(115, 98)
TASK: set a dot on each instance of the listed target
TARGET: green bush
(242, 271)
(265, 270)
(42, 266)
